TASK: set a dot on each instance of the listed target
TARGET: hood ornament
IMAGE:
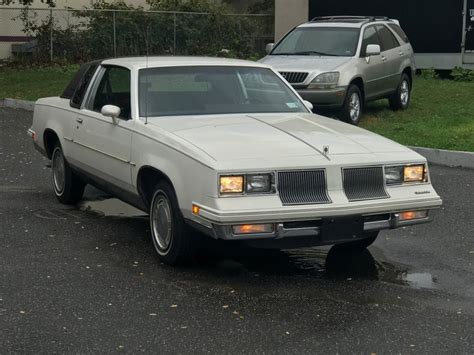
(326, 150)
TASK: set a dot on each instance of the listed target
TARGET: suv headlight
(248, 184)
(401, 174)
(325, 81)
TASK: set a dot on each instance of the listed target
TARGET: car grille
(293, 77)
(303, 187)
(364, 183)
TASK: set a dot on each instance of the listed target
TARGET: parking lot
(86, 278)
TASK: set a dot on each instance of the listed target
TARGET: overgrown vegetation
(462, 74)
(100, 32)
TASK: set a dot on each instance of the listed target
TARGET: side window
(370, 37)
(398, 30)
(387, 39)
(82, 85)
(114, 89)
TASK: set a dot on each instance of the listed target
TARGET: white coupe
(228, 149)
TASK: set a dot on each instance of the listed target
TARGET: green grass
(441, 114)
(33, 83)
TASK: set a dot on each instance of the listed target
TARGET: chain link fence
(50, 35)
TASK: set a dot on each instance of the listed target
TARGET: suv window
(370, 37)
(114, 89)
(387, 39)
(398, 30)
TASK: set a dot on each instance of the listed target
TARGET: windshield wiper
(316, 53)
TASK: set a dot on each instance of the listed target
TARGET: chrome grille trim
(303, 187)
(366, 183)
(294, 77)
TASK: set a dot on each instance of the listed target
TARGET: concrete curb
(447, 157)
(14, 103)
(436, 156)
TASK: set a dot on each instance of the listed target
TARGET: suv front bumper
(327, 98)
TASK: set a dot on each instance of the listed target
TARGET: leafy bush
(90, 35)
(461, 74)
(429, 74)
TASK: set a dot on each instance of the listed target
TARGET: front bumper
(309, 223)
(327, 98)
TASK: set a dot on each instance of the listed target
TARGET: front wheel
(401, 98)
(67, 186)
(171, 236)
(369, 239)
(353, 105)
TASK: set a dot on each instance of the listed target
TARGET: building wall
(289, 13)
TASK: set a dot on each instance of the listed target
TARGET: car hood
(282, 135)
(311, 63)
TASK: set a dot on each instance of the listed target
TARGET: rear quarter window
(82, 86)
(398, 30)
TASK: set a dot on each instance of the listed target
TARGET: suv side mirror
(269, 47)
(308, 105)
(372, 49)
(111, 111)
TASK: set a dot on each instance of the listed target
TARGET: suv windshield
(203, 90)
(331, 41)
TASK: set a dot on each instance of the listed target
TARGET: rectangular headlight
(414, 173)
(231, 184)
(261, 183)
(405, 174)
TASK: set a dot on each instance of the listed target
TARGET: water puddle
(111, 207)
(237, 259)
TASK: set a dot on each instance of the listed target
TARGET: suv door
(103, 148)
(393, 57)
(373, 67)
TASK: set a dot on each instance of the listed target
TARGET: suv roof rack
(349, 18)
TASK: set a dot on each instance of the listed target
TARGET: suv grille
(364, 183)
(303, 187)
(293, 77)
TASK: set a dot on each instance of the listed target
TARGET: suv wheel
(401, 98)
(67, 186)
(171, 236)
(353, 105)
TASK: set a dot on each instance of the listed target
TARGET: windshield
(203, 90)
(330, 41)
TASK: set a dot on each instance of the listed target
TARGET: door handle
(79, 120)
(384, 59)
(401, 54)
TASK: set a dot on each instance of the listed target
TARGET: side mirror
(308, 105)
(372, 49)
(269, 47)
(111, 111)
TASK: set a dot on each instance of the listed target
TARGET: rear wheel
(171, 236)
(353, 105)
(67, 186)
(401, 98)
(369, 239)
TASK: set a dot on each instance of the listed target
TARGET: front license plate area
(341, 228)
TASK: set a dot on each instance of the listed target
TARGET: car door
(373, 66)
(393, 57)
(103, 148)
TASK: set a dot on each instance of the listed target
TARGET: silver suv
(345, 61)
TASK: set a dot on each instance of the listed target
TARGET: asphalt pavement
(86, 279)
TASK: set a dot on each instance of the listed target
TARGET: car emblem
(326, 150)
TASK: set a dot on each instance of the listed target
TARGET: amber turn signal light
(252, 229)
(410, 215)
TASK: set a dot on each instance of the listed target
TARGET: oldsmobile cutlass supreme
(229, 148)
